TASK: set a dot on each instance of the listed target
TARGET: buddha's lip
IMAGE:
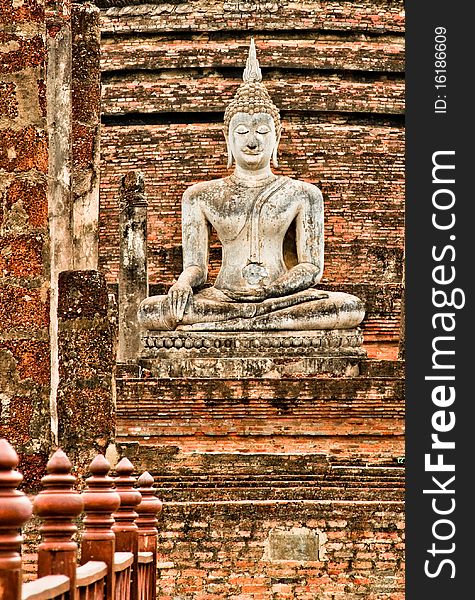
(251, 153)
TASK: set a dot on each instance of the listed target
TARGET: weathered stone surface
(25, 308)
(24, 239)
(85, 110)
(258, 354)
(32, 196)
(86, 356)
(82, 295)
(298, 544)
(133, 273)
(368, 16)
(22, 255)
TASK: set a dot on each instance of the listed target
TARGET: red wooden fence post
(147, 522)
(58, 504)
(15, 510)
(100, 501)
(125, 529)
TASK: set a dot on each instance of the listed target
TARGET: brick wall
(236, 460)
(219, 550)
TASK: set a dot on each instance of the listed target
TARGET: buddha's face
(252, 140)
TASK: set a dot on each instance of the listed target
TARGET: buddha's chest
(245, 214)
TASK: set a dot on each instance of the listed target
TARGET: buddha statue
(261, 286)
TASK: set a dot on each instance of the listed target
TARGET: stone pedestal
(335, 352)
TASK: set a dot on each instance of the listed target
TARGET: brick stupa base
(336, 352)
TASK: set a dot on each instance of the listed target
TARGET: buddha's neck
(252, 176)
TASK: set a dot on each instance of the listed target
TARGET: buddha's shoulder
(205, 190)
(305, 190)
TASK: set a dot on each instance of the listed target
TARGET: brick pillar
(133, 277)
(87, 346)
(24, 237)
(86, 120)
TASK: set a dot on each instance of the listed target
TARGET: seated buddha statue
(260, 286)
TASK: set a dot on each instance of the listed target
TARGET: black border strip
(429, 132)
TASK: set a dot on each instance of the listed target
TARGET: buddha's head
(251, 121)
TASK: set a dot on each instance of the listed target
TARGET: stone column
(86, 120)
(87, 346)
(58, 114)
(133, 274)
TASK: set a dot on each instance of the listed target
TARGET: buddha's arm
(195, 255)
(309, 240)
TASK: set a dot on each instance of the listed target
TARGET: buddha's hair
(252, 96)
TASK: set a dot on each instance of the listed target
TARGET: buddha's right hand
(178, 297)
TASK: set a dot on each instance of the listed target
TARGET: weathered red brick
(29, 10)
(22, 256)
(32, 359)
(24, 52)
(8, 100)
(33, 196)
(24, 150)
(23, 307)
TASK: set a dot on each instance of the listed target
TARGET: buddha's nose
(252, 144)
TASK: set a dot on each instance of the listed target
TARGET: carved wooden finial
(100, 501)
(145, 480)
(147, 521)
(125, 515)
(58, 504)
(149, 508)
(15, 510)
(125, 529)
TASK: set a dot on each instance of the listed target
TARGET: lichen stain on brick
(8, 370)
(15, 220)
(42, 96)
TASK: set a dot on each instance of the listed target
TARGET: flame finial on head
(252, 96)
(252, 72)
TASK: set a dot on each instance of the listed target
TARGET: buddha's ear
(230, 153)
(275, 162)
